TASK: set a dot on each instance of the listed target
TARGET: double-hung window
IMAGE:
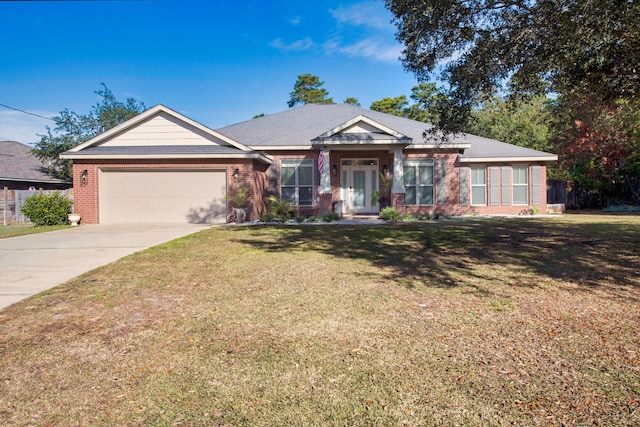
(296, 182)
(479, 185)
(521, 185)
(418, 182)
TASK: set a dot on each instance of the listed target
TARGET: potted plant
(384, 197)
(239, 201)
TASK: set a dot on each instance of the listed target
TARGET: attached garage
(162, 167)
(161, 195)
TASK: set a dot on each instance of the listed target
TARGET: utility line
(26, 112)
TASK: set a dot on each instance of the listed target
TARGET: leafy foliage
(47, 209)
(395, 106)
(280, 209)
(72, 129)
(239, 198)
(601, 150)
(569, 46)
(390, 214)
(308, 90)
(352, 101)
(427, 100)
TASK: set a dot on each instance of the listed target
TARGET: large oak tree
(583, 47)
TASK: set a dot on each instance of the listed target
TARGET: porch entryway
(359, 179)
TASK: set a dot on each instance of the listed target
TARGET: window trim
(297, 164)
(417, 163)
(483, 185)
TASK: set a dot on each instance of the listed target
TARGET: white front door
(358, 183)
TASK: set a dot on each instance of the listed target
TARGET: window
(418, 182)
(478, 185)
(296, 181)
(521, 185)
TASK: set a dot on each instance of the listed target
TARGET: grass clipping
(474, 322)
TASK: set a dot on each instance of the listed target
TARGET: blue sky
(217, 62)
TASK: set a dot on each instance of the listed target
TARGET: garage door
(176, 195)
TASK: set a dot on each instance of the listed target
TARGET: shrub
(390, 214)
(281, 209)
(47, 209)
(267, 217)
(330, 217)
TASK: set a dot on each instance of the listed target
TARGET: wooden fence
(12, 200)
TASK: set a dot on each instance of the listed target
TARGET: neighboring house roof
(17, 163)
(303, 126)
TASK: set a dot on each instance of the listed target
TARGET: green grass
(462, 322)
(14, 230)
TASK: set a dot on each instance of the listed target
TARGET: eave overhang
(508, 159)
(264, 158)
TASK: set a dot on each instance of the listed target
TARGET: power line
(26, 112)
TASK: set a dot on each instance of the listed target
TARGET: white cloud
(369, 48)
(295, 20)
(21, 127)
(362, 30)
(367, 14)
(296, 46)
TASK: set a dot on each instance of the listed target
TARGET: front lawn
(457, 322)
(13, 230)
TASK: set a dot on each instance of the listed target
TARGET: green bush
(280, 209)
(47, 209)
(390, 214)
(267, 217)
(330, 217)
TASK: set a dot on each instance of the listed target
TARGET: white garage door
(175, 195)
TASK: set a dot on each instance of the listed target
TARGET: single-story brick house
(161, 166)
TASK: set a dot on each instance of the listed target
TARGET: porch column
(325, 176)
(398, 172)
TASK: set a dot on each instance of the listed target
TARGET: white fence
(12, 200)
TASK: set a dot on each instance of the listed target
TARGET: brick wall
(87, 194)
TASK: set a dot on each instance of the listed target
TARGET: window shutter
(273, 180)
(506, 185)
(494, 179)
(536, 183)
(442, 182)
(464, 186)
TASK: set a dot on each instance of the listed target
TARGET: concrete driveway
(37, 262)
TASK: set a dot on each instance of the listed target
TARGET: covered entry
(359, 180)
(163, 195)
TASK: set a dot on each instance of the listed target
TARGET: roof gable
(159, 126)
(361, 129)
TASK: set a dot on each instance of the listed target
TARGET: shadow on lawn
(462, 252)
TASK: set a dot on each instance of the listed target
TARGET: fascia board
(281, 147)
(508, 159)
(256, 156)
(360, 118)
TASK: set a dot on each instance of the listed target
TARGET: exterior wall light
(236, 174)
(334, 170)
(385, 169)
(83, 177)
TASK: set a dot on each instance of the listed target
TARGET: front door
(359, 181)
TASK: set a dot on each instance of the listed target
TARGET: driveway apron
(34, 263)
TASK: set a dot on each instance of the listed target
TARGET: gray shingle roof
(299, 126)
(17, 163)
